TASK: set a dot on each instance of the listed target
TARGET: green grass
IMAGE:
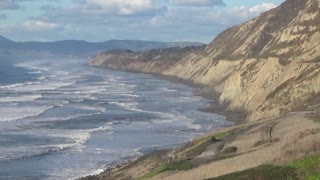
(222, 135)
(201, 140)
(173, 166)
(307, 169)
(265, 172)
(197, 149)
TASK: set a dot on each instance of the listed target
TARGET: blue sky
(100, 20)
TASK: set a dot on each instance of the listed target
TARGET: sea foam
(21, 112)
(23, 98)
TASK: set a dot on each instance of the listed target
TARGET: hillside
(78, 48)
(267, 66)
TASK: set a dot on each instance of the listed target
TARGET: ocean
(61, 119)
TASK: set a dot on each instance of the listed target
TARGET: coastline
(244, 145)
(266, 66)
(237, 117)
(199, 90)
(210, 94)
(121, 164)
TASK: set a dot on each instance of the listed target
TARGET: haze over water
(60, 119)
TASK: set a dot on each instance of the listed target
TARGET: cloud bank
(98, 20)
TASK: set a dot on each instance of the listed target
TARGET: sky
(101, 20)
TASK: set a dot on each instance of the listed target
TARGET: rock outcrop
(267, 66)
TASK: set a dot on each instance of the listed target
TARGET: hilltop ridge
(79, 48)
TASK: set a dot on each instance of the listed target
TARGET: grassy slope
(294, 137)
(307, 168)
(197, 147)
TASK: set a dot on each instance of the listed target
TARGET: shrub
(230, 150)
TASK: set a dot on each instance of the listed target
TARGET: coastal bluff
(266, 67)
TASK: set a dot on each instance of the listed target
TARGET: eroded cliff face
(267, 66)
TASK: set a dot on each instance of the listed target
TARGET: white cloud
(128, 7)
(262, 8)
(97, 20)
(40, 25)
(198, 2)
(235, 15)
(104, 9)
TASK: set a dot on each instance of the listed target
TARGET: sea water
(60, 119)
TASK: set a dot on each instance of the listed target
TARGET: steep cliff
(267, 66)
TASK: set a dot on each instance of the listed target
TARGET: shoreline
(109, 169)
(237, 117)
(203, 91)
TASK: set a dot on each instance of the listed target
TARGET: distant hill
(79, 48)
(4, 40)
